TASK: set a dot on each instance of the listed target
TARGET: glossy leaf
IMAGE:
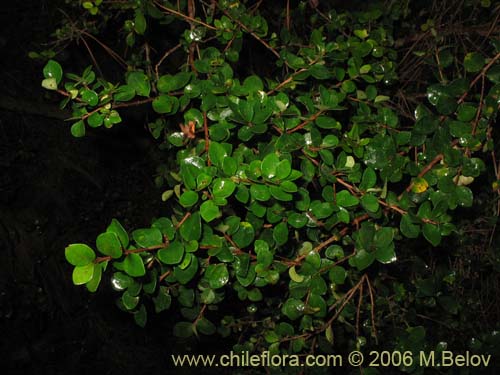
(53, 70)
(172, 254)
(432, 233)
(133, 265)
(140, 83)
(217, 275)
(209, 211)
(191, 228)
(187, 274)
(223, 187)
(79, 254)
(293, 308)
(408, 228)
(83, 274)
(109, 244)
(269, 166)
(147, 237)
(346, 199)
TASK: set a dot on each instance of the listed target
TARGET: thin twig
(252, 33)
(165, 55)
(183, 16)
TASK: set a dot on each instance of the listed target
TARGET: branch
(252, 33)
(183, 16)
(307, 121)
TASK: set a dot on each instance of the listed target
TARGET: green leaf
(191, 229)
(186, 275)
(147, 237)
(121, 281)
(130, 302)
(140, 83)
(79, 254)
(191, 168)
(383, 237)
(188, 198)
(217, 275)
(112, 118)
(325, 122)
(95, 119)
(165, 226)
(164, 104)
(280, 234)
(322, 210)
(370, 203)
(244, 235)
(206, 327)
(183, 330)
(334, 252)
(116, 228)
(162, 301)
(408, 228)
(49, 84)
(83, 274)
(169, 83)
(209, 211)
(246, 110)
(264, 255)
(53, 70)
(173, 254)
(124, 93)
(252, 84)
(293, 308)
(283, 169)
(78, 129)
(346, 199)
(141, 317)
(464, 196)
(426, 125)
(330, 141)
(294, 276)
(337, 275)
(217, 153)
(473, 62)
(278, 193)
(362, 259)
(432, 233)
(109, 244)
(133, 265)
(229, 166)
(494, 73)
(93, 284)
(223, 187)
(260, 192)
(386, 255)
(460, 129)
(140, 23)
(269, 165)
(297, 220)
(466, 112)
(90, 97)
(369, 179)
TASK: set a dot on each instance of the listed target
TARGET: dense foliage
(300, 191)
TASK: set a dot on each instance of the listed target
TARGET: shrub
(294, 181)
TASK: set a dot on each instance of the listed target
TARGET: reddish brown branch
(183, 16)
(307, 121)
(179, 224)
(424, 171)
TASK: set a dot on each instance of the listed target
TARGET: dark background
(56, 190)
